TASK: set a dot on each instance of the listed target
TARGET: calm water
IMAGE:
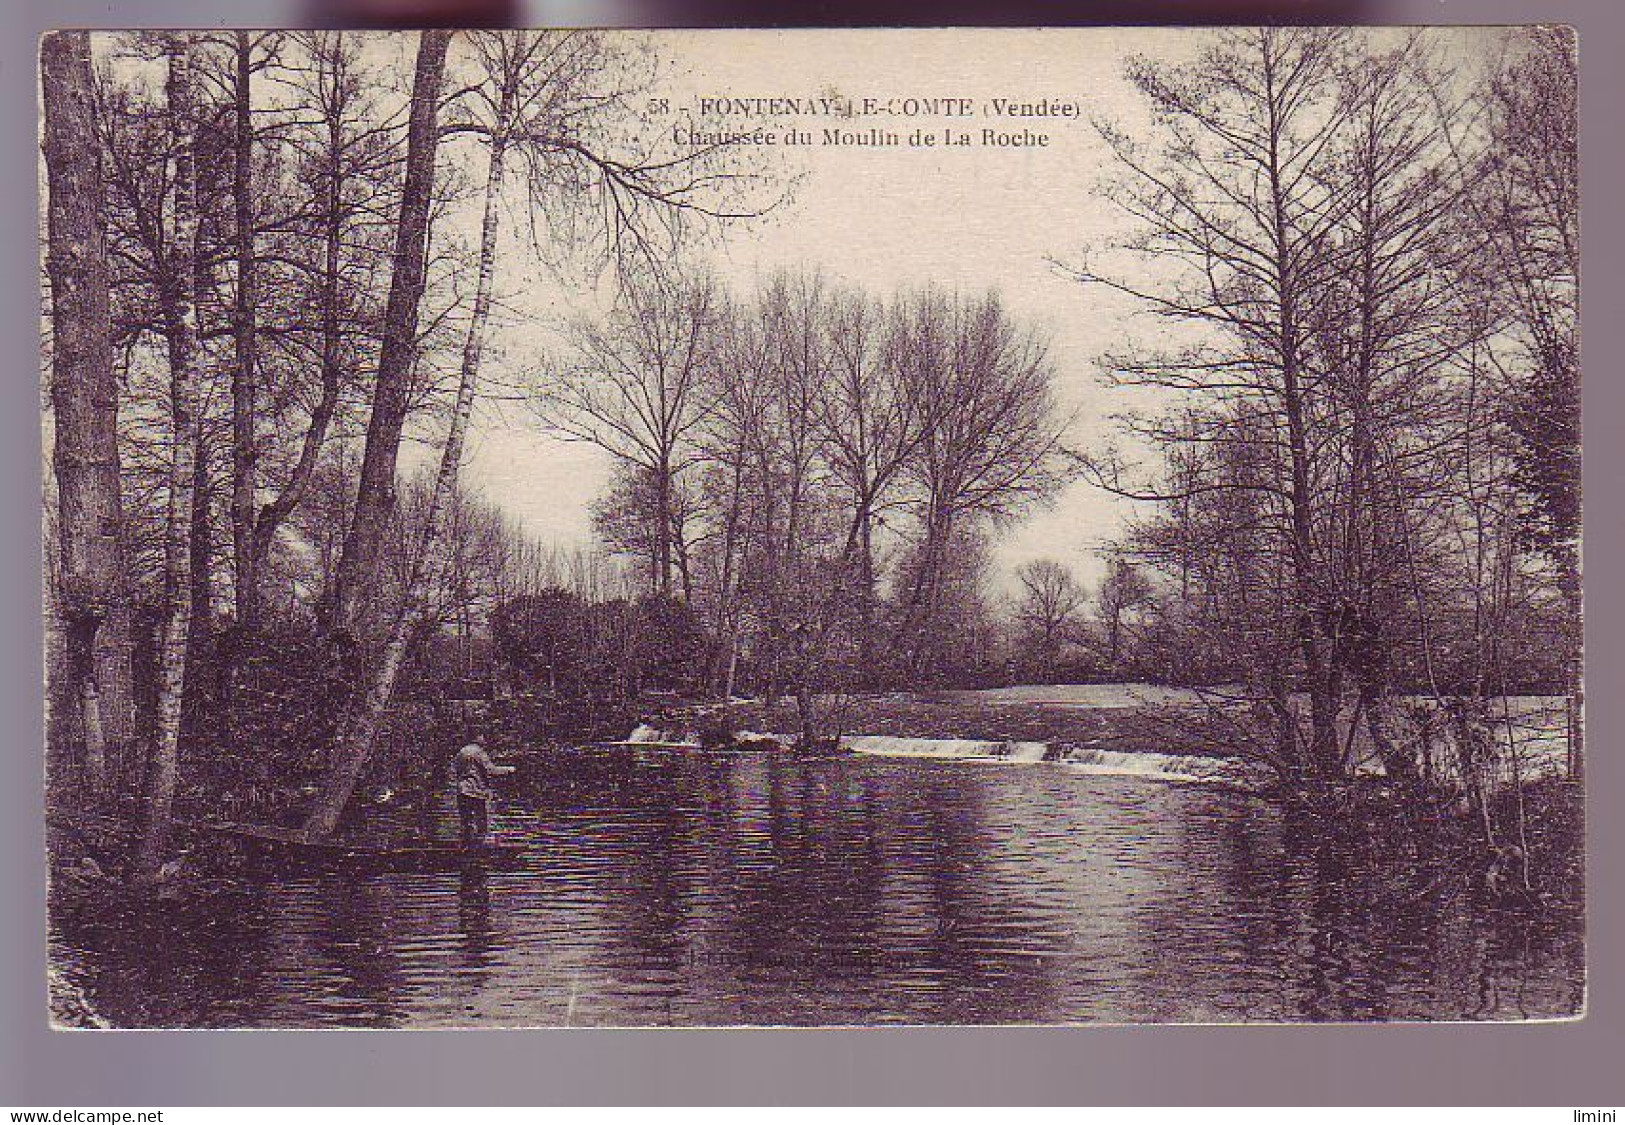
(676, 888)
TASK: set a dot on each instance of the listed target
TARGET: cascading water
(1027, 751)
(645, 735)
(897, 746)
(1169, 767)
(1166, 767)
(1163, 767)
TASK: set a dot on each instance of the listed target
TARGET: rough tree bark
(375, 498)
(200, 547)
(184, 362)
(244, 450)
(662, 575)
(84, 398)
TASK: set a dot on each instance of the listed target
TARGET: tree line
(258, 262)
(1360, 251)
(812, 469)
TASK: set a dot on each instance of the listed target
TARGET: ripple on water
(685, 889)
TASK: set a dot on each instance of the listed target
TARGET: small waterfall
(645, 735)
(1085, 759)
(1026, 751)
(898, 746)
(1165, 767)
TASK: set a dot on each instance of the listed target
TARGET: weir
(1163, 767)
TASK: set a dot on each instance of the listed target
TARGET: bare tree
(1530, 199)
(628, 517)
(185, 358)
(1051, 599)
(1339, 499)
(85, 398)
(993, 442)
(345, 156)
(877, 418)
(245, 371)
(1384, 338)
(640, 386)
(589, 183)
(511, 62)
(1123, 591)
(1241, 201)
(1530, 196)
(391, 396)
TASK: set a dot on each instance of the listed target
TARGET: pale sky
(881, 218)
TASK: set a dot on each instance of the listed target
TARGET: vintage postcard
(620, 528)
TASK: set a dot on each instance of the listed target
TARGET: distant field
(1094, 695)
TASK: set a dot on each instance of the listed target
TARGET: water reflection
(672, 888)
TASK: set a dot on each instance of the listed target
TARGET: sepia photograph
(750, 528)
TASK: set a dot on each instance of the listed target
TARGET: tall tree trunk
(806, 713)
(375, 497)
(1323, 701)
(722, 679)
(1307, 611)
(183, 353)
(730, 667)
(201, 542)
(200, 549)
(683, 565)
(921, 613)
(360, 730)
(662, 582)
(84, 399)
(244, 450)
(867, 641)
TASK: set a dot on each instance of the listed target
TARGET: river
(669, 887)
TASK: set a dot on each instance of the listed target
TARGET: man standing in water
(474, 769)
